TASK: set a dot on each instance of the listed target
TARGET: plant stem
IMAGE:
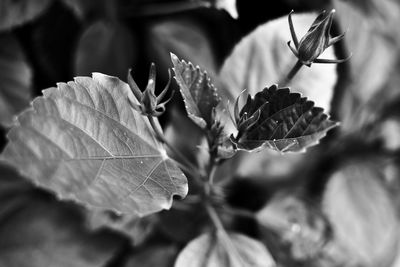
(230, 248)
(239, 212)
(291, 73)
(186, 164)
(213, 169)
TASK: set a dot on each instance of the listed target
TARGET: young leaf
(83, 141)
(287, 122)
(15, 79)
(208, 250)
(198, 92)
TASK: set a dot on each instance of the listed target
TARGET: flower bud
(315, 41)
(149, 103)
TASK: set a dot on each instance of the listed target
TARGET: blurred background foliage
(336, 205)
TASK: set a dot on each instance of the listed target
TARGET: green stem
(239, 212)
(188, 166)
(213, 169)
(221, 232)
(292, 73)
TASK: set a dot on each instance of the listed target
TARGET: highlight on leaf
(280, 120)
(83, 141)
(199, 94)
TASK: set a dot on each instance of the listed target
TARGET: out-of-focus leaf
(183, 225)
(208, 250)
(84, 8)
(374, 40)
(107, 48)
(184, 38)
(84, 142)
(287, 122)
(362, 214)
(14, 13)
(229, 6)
(153, 256)
(176, 131)
(262, 58)
(198, 92)
(297, 223)
(38, 231)
(135, 227)
(15, 79)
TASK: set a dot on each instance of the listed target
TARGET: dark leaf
(209, 250)
(198, 92)
(15, 79)
(37, 231)
(84, 142)
(107, 48)
(183, 36)
(153, 256)
(136, 228)
(14, 13)
(288, 122)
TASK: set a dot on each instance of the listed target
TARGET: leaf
(208, 250)
(14, 13)
(262, 58)
(153, 256)
(288, 122)
(105, 47)
(15, 79)
(374, 65)
(83, 9)
(84, 142)
(186, 38)
(198, 92)
(136, 228)
(183, 225)
(176, 132)
(229, 6)
(299, 224)
(362, 215)
(36, 230)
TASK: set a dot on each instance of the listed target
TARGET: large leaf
(262, 58)
(14, 13)
(36, 230)
(105, 47)
(15, 79)
(83, 141)
(198, 92)
(362, 215)
(209, 250)
(287, 122)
